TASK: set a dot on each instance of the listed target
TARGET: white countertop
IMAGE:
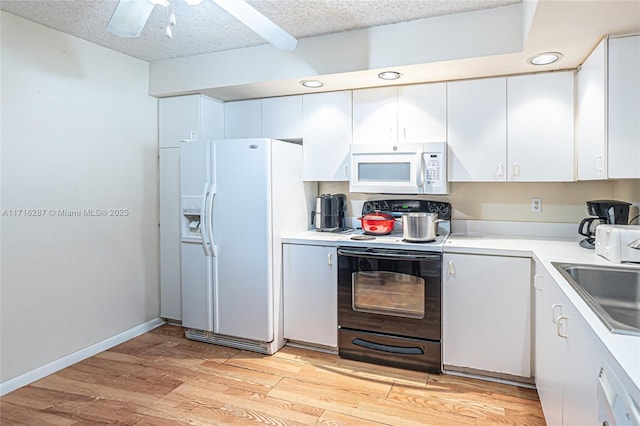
(625, 349)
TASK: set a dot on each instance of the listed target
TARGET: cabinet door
(178, 119)
(551, 350)
(310, 294)
(212, 119)
(327, 136)
(243, 119)
(624, 107)
(487, 311)
(592, 110)
(540, 111)
(170, 288)
(282, 117)
(477, 130)
(422, 113)
(375, 115)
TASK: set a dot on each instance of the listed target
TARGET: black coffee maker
(329, 215)
(605, 212)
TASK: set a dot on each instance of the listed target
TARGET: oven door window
(388, 293)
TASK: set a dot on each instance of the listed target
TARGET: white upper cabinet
(275, 118)
(592, 113)
(398, 114)
(192, 117)
(375, 115)
(422, 113)
(243, 119)
(540, 127)
(609, 111)
(477, 130)
(511, 129)
(624, 107)
(282, 117)
(327, 136)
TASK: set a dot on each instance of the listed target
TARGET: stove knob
(444, 210)
(433, 208)
(367, 208)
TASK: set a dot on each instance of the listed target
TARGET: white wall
(79, 131)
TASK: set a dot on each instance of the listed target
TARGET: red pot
(377, 223)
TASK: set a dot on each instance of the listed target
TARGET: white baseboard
(57, 365)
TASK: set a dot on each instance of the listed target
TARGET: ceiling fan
(130, 17)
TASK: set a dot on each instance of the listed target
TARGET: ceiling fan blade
(130, 17)
(259, 23)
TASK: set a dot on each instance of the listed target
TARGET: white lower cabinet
(487, 314)
(568, 357)
(310, 281)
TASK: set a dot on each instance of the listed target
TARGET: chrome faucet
(634, 244)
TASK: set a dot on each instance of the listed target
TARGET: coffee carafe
(610, 212)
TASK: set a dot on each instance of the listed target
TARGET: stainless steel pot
(419, 227)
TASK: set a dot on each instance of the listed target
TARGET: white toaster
(612, 242)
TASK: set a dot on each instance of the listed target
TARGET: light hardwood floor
(161, 378)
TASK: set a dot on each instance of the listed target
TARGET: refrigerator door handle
(212, 246)
(204, 226)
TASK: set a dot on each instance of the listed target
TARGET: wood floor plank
(161, 378)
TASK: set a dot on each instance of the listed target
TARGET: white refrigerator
(238, 198)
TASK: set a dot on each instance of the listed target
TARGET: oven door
(393, 292)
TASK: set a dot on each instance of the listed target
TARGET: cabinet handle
(390, 134)
(346, 171)
(330, 260)
(452, 269)
(598, 159)
(560, 319)
(404, 131)
(554, 318)
(516, 169)
(500, 171)
(537, 279)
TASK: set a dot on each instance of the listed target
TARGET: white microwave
(409, 168)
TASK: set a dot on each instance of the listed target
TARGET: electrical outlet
(536, 205)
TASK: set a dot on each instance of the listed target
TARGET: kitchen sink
(613, 293)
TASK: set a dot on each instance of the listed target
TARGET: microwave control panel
(433, 168)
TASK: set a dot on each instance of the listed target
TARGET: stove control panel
(397, 207)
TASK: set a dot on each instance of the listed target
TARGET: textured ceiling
(206, 28)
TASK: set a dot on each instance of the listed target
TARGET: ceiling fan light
(545, 58)
(129, 18)
(259, 23)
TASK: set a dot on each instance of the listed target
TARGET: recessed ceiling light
(313, 84)
(545, 58)
(389, 75)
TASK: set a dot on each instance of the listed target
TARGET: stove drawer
(400, 352)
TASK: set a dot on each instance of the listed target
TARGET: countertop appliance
(238, 198)
(389, 292)
(330, 213)
(613, 242)
(610, 212)
(408, 168)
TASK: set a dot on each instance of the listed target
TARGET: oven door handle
(382, 255)
(387, 348)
